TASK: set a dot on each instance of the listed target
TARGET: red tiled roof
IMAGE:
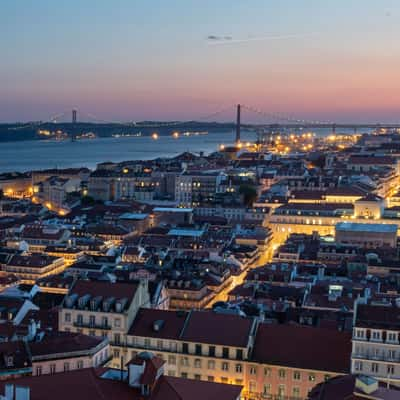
(303, 347)
(170, 388)
(64, 342)
(219, 329)
(118, 290)
(170, 328)
(80, 384)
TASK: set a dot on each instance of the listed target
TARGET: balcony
(374, 357)
(88, 325)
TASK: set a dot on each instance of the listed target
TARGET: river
(40, 154)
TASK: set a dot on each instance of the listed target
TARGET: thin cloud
(217, 40)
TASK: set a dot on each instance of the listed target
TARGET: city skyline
(125, 61)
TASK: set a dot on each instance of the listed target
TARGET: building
(106, 309)
(31, 267)
(65, 351)
(366, 235)
(288, 361)
(376, 346)
(144, 380)
(200, 345)
(354, 387)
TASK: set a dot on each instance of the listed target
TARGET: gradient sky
(150, 59)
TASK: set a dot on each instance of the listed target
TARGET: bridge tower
(74, 116)
(237, 124)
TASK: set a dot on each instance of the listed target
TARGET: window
(210, 378)
(267, 371)
(358, 365)
(253, 370)
(225, 352)
(267, 389)
(79, 364)
(282, 373)
(104, 322)
(52, 368)
(92, 320)
(147, 343)
(392, 337)
(116, 353)
(238, 368)
(185, 348)
(359, 333)
(376, 335)
(296, 375)
(159, 344)
(117, 338)
(224, 380)
(197, 363)
(184, 375)
(239, 354)
(185, 361)
(281, 391)
(211, 364)
(172, 360)
(67, 317)
(296, 392)
(392, 354)
(92, 333)
(117, 322)
(311, 378)
(198, 349)
(225, 366)
(211, 351)
(38, 370)
(79, 319)
(66, 366)
(374, 367)
(390, 369)
(252, 386)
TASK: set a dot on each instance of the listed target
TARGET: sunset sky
(182, 59)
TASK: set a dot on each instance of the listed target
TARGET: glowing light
(222, 147)
(154, 136)
(239, 145)
(175, 135)
(248, 144)
(48, 205)
(125, 170)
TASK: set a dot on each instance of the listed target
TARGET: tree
(249, 194)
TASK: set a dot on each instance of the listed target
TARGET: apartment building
(106, 309)
(376, 346)
(199, 345)
(63, 352)
(265, 359)
(288, 360)
(31, 267)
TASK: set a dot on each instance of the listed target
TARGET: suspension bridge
(267, 121)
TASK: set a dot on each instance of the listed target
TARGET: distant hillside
(18, 132)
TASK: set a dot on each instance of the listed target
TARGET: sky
(131, 60)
